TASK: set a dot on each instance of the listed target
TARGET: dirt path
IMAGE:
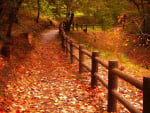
(49, 35)
(47, 84)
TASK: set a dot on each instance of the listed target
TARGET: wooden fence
(113, 74)
(84, 26)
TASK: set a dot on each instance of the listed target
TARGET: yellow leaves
(45, 97)
(126, 44)
(60, 102)
(91, 109)
(33, 111)
(38, 96)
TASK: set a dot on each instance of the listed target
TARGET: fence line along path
(85, 27)
(114, 74)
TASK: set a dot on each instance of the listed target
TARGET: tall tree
(38, 12)
(15, 5)
(1, 6)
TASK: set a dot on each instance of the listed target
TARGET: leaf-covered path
(47, 84)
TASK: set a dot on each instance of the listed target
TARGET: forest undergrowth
(115, 44)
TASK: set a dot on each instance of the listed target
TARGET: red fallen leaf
(77, 82)
(25, 102)
(123, 92)
(63, 76)
(8, 103)
(78, 105)
(104, 89)
(88, 90)
(67, 67)
(54, 85)
(1, 110)
(18, 67)
(140, 91)
(17, 111)
(99, 91)
(92, 95)
(139, 95)
(1, 66)
(24, 70)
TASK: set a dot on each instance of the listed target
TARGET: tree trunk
(38, 14)
(144, 22)
(12, 17)
(69, 22)
(1, 4)
(16, 11)
(4, 5)
(135, 3)
(11, 20)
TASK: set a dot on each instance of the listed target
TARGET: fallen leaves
(17, 111)
(47, 84)
(1, 110)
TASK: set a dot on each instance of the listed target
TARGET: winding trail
(47, 83)
(48, 36)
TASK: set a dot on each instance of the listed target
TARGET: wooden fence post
(63, 40)
(66, 46)
(146, 94)
(59, 29)
(112, 85)
(94, 69)
(71, 52)
(81, 58)
(77, 27)
(86, 27)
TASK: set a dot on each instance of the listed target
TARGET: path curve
(49, 35)
(47, 84)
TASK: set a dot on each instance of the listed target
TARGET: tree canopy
(104, 11)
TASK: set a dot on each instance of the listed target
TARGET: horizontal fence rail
(84, 26)
(114, 73)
